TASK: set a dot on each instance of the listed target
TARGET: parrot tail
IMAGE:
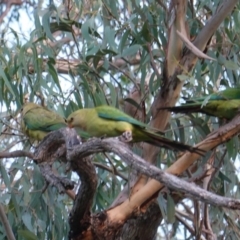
(183, 109)
(160, 141)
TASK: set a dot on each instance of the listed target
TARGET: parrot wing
(152, 137)
(43, 119)
(227, 94)
(114, 114)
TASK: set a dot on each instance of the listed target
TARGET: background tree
(139, 56)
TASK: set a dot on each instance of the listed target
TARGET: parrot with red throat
(107, 121)
(37, 121)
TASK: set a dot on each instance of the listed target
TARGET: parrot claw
(126, 136)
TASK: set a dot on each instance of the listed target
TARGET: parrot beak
(69, 122)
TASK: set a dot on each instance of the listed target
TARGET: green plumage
(110, 122)
(224, 104)
(38, 121)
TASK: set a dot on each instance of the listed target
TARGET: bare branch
(64, 66)
(111, 170)
(76, 155)
(6, 223)
(9, 4)
(15, 154)
(193, 48)
(185, 223)
(46, 151)
(223, 134)
(113, 145)
(209, 29)
(61, 183)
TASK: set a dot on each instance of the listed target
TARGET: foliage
(94, 52)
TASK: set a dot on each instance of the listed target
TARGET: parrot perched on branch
(38, 121)
(106, 121)
(224, 104)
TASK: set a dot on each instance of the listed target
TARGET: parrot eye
(71, 119)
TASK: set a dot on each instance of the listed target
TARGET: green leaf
(26, 217)
(113, 93)
(62, 26)
(6, 81)
(180, 128)
(46, 25)
(132, 50)
(53, 72)
(231, 65)
(123, 41)
(146, 32)
(183, 77)
(162, 205)
(109, 36)
(232, 147)
(15, 204)
(131, 101)
(170, 209)
(224, 177)
(27, 235)
(85, 31)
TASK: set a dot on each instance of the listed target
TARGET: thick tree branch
(61, 183)
(223, 134)
(76, 155)
(47, 150)
(113, 145)
(210, 28)
(80, 216)
(161, 178)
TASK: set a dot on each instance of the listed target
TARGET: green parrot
(106, 121)
(38, 121)
(224, 104)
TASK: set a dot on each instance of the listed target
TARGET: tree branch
(217, 137)
(76, 154)
(61, 183)
(47, 150)
(122, 212)
(171, 181)
(6, 224)
(15, 154)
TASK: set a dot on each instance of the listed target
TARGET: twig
(185, 223)
(191, 47)
(152, 62)
(61, 183)
(6, 224)
(15, 154)
(111, 170)
(8, 7)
